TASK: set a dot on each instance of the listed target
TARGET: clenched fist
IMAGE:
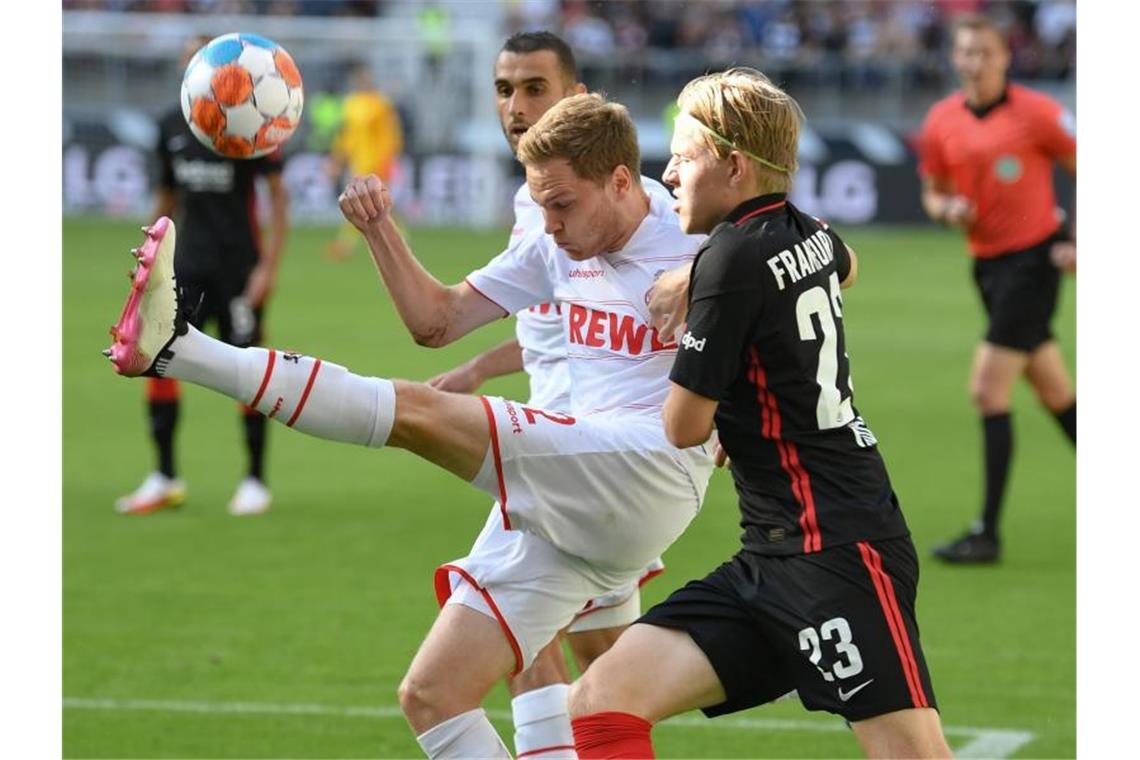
(366, 202)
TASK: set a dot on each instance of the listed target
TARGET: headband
(725, 141)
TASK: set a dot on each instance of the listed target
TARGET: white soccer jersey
(616, 361)
(539, 327)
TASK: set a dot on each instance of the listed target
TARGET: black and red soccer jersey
(765, 339)
(217, 208)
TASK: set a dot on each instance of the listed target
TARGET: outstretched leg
(323, 399)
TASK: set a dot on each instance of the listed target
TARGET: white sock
(467, 735)
(542, 724)
(315, 397)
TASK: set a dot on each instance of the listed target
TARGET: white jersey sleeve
(519, 276)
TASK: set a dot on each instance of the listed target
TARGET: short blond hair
(594, 135)
(741, 109)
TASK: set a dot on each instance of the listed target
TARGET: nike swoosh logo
(844, 696)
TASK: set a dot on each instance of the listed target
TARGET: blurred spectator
(586, 33)
(861, 44)
(725, 41)
(781, 38)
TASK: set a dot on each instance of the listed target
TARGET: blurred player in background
(821, 596)
(987, 157)
(224, 265)
(370, 141)
(535, 70)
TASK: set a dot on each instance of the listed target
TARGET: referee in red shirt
(987, 155)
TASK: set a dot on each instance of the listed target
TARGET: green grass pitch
(195, 634)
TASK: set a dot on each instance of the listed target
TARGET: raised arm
(503, 359)
(435, 314)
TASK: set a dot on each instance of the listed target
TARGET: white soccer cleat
(251, 498)
(156, 492)
(150, 319)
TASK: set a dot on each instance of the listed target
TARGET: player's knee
(1056, 396)
(420, 701)
(988, 397)
(590, 695)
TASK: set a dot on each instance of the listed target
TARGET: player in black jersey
(821, 596)
(222, 263)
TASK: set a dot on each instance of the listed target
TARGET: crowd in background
(854, 43)
(859, 43)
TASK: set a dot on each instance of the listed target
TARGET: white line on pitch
(983, 742)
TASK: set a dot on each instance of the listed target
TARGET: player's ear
(622, 178)
(738, 167)
(578, 89)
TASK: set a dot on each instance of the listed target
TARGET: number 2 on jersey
(831, 410)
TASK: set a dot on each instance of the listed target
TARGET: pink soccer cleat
(150, 320)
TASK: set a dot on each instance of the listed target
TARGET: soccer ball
(242, 96)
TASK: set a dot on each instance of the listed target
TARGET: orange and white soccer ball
(242, 95)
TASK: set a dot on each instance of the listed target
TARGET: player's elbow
(431, 338)
(683, 432)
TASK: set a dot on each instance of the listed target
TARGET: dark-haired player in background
(821, 595)
(987, 157)
(222, 263)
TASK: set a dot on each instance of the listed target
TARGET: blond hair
(594, 135)
(740, 109)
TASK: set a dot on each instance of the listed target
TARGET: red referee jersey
(1003, 162)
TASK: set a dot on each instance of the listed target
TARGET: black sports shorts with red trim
(219, 299)
(837, 625)
(1019, 291)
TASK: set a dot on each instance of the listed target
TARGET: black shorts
(836, 625)
(219, 300)
(1019, 291)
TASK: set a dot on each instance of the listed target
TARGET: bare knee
(987, 396)
(913, 733)
(582, 697)
(1056, 400)
(1054, 391)
(601, 691)
(426, 703)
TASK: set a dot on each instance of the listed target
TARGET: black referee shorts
(836, 625)
(1019, 291)
(219, 299)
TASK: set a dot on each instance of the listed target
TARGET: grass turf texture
(324, 600)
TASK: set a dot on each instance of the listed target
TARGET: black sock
(163, 421)
(255, 426)
(1068, 420)
(997, 430)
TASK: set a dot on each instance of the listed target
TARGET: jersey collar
(985, 110)
(754, 207)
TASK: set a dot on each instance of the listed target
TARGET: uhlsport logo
(688, 341)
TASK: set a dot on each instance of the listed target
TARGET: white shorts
(609, 489)
(533, 589)
(619, 607)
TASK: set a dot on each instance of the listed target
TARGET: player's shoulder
(948, 107)
(1026, 98)
(732, 254)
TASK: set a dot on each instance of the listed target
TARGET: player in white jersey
(595, 496)
(533, 71)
